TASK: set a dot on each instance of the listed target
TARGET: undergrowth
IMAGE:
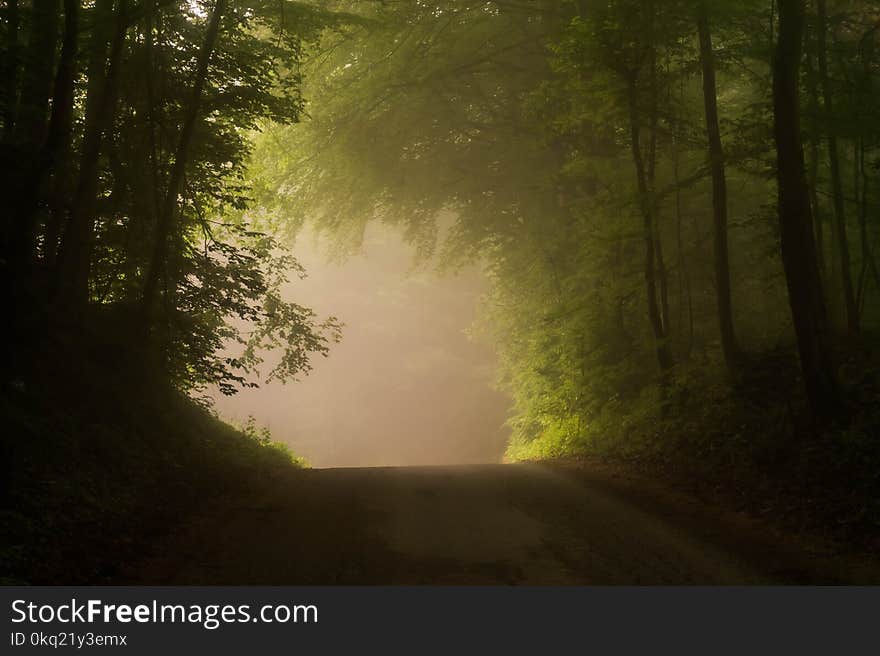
(100, 460)
(748, 440)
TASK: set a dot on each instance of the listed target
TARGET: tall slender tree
(58, 144)
(29, 136)
(168, 209)
(719, 189)
(841, 240)
(795, 219)
(10, 67)
(105, 56)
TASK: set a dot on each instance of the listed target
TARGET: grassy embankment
(99, 461)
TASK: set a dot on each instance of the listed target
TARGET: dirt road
(486, 524)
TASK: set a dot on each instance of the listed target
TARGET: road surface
(482, 524)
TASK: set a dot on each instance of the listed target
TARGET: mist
(406, 385)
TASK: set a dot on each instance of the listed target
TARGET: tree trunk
(813, 170)
(24, 178)
(10, 68)
(684, 279)
(36, 84)
(58, 143)
(719, 191)
(869, 264)
(863, 182)
(795, 221)
(23, 152)
(76, 246)
(662, 275)
(646, 205)
(842, 244)
(167, 216)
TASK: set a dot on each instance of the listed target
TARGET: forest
(676, 203)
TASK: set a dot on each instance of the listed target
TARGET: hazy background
(406, 386)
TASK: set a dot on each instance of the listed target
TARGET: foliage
(569, 147)
(155, 124)
(503, 133)
(263, 437)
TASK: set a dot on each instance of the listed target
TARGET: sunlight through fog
(405, 386)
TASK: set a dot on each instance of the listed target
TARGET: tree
(840, 234)
(108, 30)
(58, 144)
(169, 206)
(30, 132)
(10, 66)
(795, 219)
(150, 158)
(719, 189)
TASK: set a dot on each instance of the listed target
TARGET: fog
(405, 386)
